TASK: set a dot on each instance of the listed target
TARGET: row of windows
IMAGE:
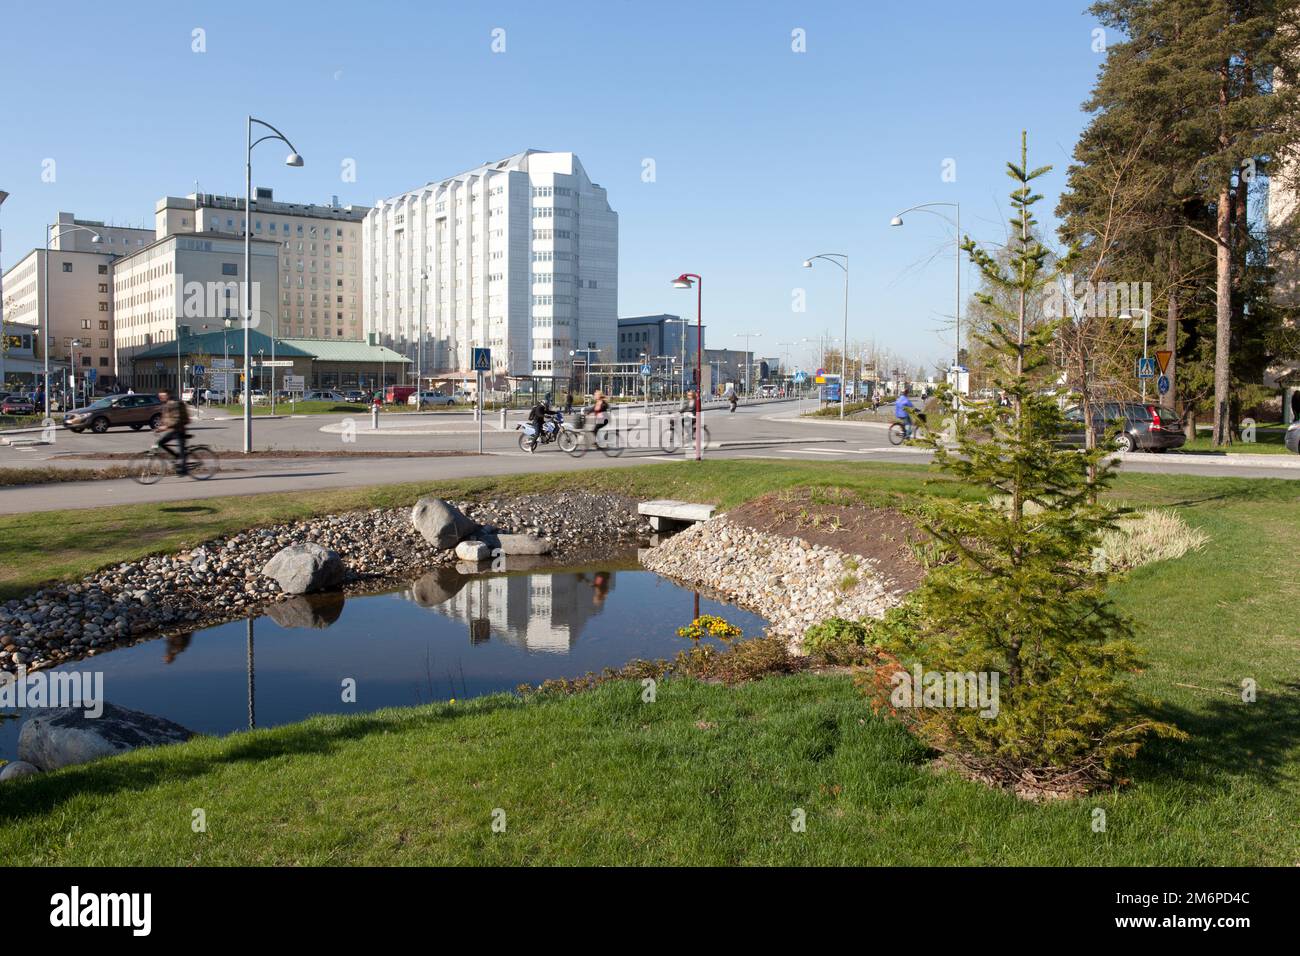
(548, 212)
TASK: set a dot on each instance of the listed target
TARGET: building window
(67, 267)
(103, 270)
(229, 269)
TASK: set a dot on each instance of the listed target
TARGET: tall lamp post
(50, 235)
(925, 207)
(841, 260)
(4, 345)
(293, 159)
(748, 358)
(685, 281)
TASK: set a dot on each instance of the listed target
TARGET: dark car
(137, 411)
(1139, 426)
(17, 405)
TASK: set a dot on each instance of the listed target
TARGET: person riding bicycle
(901, 406)
(599, 412)
(175, 416)
(686, 412)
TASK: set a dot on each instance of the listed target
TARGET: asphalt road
(770, 430)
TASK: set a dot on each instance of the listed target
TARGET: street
(758, 430)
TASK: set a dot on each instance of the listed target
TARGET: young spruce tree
(1016, 591)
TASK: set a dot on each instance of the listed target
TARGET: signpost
(482, 362)
(1162, 384)
(1146, 367)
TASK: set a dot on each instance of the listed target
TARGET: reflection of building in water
(538, 612)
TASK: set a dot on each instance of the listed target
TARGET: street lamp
(748, 360)
(685, 281)
(1127, 316)
(50, 236)
(835, 257)
(925, 207)
(4, 340)
(293, 159)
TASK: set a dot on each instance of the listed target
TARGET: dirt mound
(838, 519)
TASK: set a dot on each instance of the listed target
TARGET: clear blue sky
(763, 156)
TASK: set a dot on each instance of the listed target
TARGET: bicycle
(201, 463)
(579, 441)
(668, 442)
(898, 435)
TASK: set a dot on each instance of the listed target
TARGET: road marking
(814, 451)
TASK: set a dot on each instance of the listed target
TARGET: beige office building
(81, 326)
(318, 292)
(186, 285)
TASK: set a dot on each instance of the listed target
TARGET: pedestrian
(568, 402)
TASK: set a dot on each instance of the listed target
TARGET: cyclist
(901, 406)
(175, 416)
(686, 412)
(599, 412)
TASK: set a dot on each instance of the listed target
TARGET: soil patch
(838, 519)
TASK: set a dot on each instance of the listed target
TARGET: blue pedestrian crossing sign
(645, 370)
(483, 360)
(1162, 384)
(1147, 367)
(198, 370)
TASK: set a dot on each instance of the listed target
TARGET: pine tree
(1016, 591)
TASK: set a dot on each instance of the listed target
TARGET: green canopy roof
(213, 343)
(329, 350)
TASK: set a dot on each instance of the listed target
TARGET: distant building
(318, 290)
(728, 367)
(184, 285)
(518, 255)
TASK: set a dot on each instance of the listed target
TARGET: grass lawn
(711, 774)
(1268, 441)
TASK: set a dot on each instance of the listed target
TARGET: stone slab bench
(665, 513)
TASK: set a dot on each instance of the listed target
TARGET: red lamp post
(684, 281)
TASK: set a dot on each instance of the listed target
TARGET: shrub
(836, 632)
(1146, 537)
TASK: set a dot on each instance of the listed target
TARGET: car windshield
(101, 403)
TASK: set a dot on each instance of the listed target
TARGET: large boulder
(64, 737)
(440, 523)
(523, 544)
(307, 610)
(304, 568)
(16, 769)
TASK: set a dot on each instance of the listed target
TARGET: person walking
(568, 403)
(731, 397)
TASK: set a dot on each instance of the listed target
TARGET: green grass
(1268, 441)
(710, 774)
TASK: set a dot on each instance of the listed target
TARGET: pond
(444, 635)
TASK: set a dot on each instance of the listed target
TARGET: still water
(445, 635)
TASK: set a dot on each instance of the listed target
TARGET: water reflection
(445, 635)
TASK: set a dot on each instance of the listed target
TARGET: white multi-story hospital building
(519, 255)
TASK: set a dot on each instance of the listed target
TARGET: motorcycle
(553, 426)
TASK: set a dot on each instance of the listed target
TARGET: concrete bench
(666, 514)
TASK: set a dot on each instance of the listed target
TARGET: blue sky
(762, 155)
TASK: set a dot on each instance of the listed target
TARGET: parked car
(17, 405)
(355, 395)
(136, 411)
(1292, 438)
(323, 395)
(1140, 427)
(430, 398)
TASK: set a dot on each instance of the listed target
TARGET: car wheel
(155, 422)
(99, 425)
(1124, 442)
(77, 430)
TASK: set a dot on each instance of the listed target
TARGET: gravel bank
(221, 580)
(787, 580)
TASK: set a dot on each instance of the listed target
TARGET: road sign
(1162, 384)
(159, 365)
(645, 370)
(294, 383)
(90, 375)
(1146, 368)
(482, 360)
(278, 363)
(800, 377)
(198, 371)
(1162, 359)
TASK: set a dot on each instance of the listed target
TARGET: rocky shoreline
(221, 580)
(790, 582)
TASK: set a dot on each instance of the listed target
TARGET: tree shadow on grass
(1229, 738)
(318, 736)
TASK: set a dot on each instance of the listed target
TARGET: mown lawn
(711, 775)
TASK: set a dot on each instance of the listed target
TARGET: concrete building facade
(518, 255)
(184, 285)
(320, 266)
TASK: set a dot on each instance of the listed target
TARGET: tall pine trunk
(1223, 318)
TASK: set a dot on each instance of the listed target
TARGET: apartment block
(518, 255)
(319, 279)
